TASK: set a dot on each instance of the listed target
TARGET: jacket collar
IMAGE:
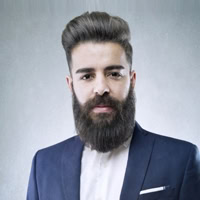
(139, 156)
(71, 168)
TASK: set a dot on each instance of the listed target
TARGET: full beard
(105, 131)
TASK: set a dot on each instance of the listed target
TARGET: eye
(87, 77)
(115, 75)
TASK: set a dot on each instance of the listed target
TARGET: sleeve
(32, 193)
(190, 189)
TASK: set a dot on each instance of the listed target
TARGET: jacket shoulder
(169, 141)
(55, 151)
(172, 148)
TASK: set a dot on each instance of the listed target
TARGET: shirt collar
(126, 144)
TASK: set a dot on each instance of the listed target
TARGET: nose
(101, 86)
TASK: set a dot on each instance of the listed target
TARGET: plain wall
(35, 103)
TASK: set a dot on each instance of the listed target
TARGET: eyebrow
(85, 70)
(112, 67)
(90, 69)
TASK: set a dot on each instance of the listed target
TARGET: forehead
(98, 55)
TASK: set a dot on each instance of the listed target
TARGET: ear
(69, 82)
(133, 78)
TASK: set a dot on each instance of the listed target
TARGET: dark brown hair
(96, 27)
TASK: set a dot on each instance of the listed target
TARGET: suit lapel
(71, 168)
(139, 157)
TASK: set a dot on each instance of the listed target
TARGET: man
(111, 157)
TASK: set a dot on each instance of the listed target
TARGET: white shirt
(102, 174)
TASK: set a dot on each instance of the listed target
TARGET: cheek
(83, 94)
(121, 91)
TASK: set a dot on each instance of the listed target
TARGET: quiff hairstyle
(96, 27)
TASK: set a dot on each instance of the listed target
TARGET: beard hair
(105, 131)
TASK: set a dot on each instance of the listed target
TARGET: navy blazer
(153, 161)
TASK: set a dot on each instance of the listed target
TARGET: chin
(102, 118)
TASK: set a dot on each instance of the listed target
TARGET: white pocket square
(157, 189)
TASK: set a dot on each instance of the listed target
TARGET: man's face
(97, 68)
(103, 97)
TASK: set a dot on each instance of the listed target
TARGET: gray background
(35, 104)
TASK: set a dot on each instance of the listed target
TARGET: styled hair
(96, 27)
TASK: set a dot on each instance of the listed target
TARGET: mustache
(105, 99)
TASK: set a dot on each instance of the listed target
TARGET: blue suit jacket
(153, 161)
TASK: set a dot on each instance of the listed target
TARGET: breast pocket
(167, 194)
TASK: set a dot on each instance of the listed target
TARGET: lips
(102, 109)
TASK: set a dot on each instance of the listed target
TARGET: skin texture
(99, 68)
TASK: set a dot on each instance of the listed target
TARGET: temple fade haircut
(96, 27)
